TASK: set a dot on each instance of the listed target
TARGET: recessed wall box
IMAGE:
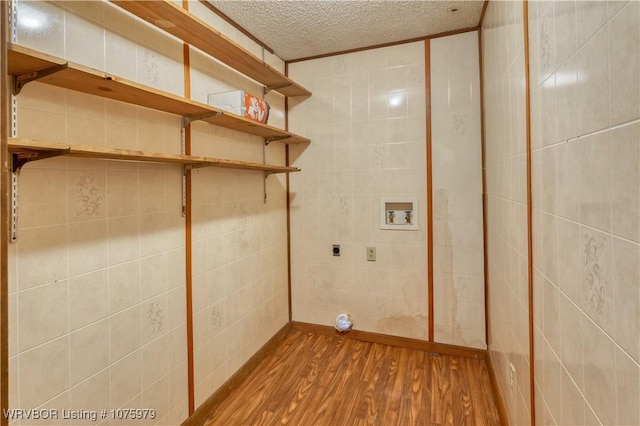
(399, 214)
(241, 103)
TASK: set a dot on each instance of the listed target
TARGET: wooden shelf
(29, 150)
(173, 19)
(25, 63)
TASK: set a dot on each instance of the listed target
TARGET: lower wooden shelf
(26, 150)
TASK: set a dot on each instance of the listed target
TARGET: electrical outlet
(371, 254)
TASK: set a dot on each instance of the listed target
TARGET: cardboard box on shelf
(241, 103)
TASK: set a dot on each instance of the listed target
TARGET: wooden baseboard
(403, 342)
(201, 414)
(502, 412)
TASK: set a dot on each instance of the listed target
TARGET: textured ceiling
(297, 29)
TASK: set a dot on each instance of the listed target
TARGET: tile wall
(585, 81)
(458, 246)
(506, 217)
(366, 118)
(97, 276)
(585, 124)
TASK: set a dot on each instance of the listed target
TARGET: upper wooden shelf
(26, 64)
(29, 150)
(173, 19)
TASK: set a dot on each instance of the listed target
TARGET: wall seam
(288, 200)
(429, 173)
(188, 234)
(483, 151)
(527, 64)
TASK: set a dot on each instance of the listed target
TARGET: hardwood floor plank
(374, 362)
(369, 411)
(477, 394)
(350, 388)
(317, 379)
(461, 394)
(480, 378)
(331, 379)
(440, 391)
(417, 378)
(306, 385)
(394, 386)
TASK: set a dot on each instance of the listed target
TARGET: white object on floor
(343, 322)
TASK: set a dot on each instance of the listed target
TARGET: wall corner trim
(5, 95)
(484, 12)
(527, 73)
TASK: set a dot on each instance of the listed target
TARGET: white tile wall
(505, 162)
(457, 191)
(366, 120)
(597, 227)
(585, 64)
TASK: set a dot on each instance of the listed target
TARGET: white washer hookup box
(399, 214)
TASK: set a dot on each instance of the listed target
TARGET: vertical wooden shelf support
(18, 161)
(13, 219)
(264, 187)
(185, 168)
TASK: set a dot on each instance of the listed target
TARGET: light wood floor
(313, 379)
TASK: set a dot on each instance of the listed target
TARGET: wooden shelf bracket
(19, 81)
(197, 166)
(268, 140)
(267, 89)
(191, 118)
